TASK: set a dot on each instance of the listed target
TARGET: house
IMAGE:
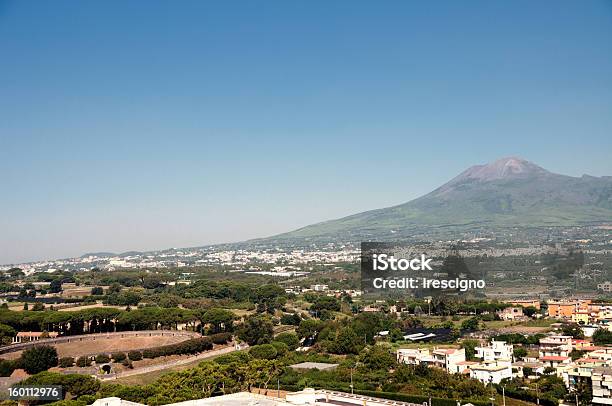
(414, 356)
(511, 313)
(464, 366)
(448, 358)
(445, 358)
(491, 371)
(535, 368)
(27, 336)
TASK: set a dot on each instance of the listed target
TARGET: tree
(346, 342)
(529, 311)
(576, 354)
(322, 303)
(281, 348)
(573, 330)
(290, 339)
(471, 324)
(519, 352)
(38, 359)
(257, 329)
(396, 335)
(263, 351)
(270, 298)
(38, 307)
(309, 328)
(378, 357)
(469, 346)
(291, 319)
(6, 334)
(97, 291)
(602, 336)
(55, 286)
(219, 319)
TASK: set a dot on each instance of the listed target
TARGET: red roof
(553, 358)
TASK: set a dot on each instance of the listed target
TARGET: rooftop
(321, 366)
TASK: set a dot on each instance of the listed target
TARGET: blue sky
(145, 125)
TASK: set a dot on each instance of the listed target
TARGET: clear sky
(139, 125)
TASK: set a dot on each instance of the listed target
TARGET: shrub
(102, 359)
(66, 362)
(118, 356)
(192, 346)
(220, 338)
(38, 359)
(127, 363)
(7, 367)
(135, 355)
(150, 353)
(83, 362)
(88, 399)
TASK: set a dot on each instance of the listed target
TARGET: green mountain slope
(507, 192)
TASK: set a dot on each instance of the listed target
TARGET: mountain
(506, 193)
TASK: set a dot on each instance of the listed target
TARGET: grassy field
(107, 345)
(149, 377)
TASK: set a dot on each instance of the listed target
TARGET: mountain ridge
(510, 191)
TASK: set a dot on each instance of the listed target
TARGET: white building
(555, 346)
(306, 397)
(491, 371)
(602, 386)
(497, 350)
(450, 359)
(511, 313)
(605, 287)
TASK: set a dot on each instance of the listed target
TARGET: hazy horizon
(178, 125)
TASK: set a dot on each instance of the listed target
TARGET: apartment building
(562, 309)
(555, 346)
(602, 386)
(496, 350)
